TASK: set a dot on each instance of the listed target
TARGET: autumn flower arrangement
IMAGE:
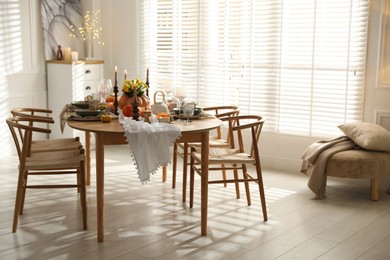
(129, 85)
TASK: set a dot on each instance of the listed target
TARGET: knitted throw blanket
(315, 159)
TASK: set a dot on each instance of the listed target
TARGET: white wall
(119, 22)
(22, 67)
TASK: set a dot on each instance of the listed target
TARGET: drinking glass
(104, 89)
(188, 111)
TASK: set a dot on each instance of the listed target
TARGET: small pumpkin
(105, 118)
(127, 110)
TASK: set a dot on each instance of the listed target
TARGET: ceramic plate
(197, 111)
(87, 112)
(81, 104)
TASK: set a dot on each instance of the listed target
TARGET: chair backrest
(242, 122)
(34, 113)
(22, 132)
(38, 113)
(223, 112)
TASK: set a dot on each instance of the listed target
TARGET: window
(300, 64)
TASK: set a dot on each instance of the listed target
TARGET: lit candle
(67, 55)
(116, 76)
(125, 74)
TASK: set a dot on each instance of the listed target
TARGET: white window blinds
(299, 63)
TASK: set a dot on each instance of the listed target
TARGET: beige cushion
(358, 164)
(367, 135)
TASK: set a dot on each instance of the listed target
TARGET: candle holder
(135, 106)
(147, 82)
(116, 103)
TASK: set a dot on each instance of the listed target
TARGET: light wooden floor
(150, 222)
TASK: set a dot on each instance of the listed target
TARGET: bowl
(197, 111)
(81, 104)
(87, 112)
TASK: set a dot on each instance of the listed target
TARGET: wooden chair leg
(261, 191)
(174, 166)
(374, 189)
(83, 195)
(192, 180)
(224, 175)
(246, 184)
(237, 185)
(18, 200)
(23, 188)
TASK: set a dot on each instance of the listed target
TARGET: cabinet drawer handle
(88, 88)
(87, 71)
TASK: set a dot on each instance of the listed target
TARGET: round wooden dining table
(112, 133)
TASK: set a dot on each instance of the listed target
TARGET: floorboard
(149, 221)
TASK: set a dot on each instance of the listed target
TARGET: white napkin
(64, 117)
(149, 144)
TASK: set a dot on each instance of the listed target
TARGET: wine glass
(188, 111)
(167, 87)
(180, 94)
(104, 90)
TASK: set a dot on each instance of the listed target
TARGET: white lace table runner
(149, 144)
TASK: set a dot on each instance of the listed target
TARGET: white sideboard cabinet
(68, 82)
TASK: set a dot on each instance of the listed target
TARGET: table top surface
(197, 125)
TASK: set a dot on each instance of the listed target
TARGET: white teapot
(159, 107)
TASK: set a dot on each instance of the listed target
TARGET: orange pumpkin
(110, 98)
(143, 101)
(127, 110)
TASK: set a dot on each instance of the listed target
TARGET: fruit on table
(163, 115)
(102, 106)
(105, 118)
(110, 99)
(127, 110)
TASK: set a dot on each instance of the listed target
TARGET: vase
(89, 50)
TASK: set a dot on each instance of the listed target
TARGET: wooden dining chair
(235, 158)
(216, 140)
(47, 163)
(57, 144)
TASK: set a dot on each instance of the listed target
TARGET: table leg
(88, 156)
(100, 186)
(185, 166)
(164, 173)
(204, 182)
